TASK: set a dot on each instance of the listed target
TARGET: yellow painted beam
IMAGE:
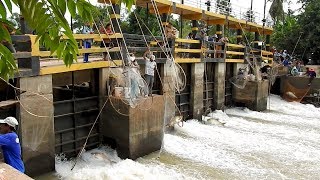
(234, 61)
(190, 41)
(81, 51)
(162, 10)
(77, 67)
(94, 36)
(235, 46)
(113, 16)
(35, 48)
(266, 52)
(192, 16)
(267, 58)
(187, 60)
(179, 50)
(234, 53)
(215, 21)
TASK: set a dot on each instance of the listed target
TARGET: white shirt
(149, 70)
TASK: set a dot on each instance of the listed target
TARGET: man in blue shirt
(10, 144)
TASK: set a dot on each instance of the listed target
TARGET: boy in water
(10, 143)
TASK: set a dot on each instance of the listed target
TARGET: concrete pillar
(219, 31)
(239, 36)
(219, 85)
(37, 131)
(268, 42)
(197, 73)
(256, 40)
(168, 92)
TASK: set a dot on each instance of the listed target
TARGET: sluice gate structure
(57, 105)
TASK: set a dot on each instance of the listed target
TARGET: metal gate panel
(208, 87)
(228, 84)
(157, 87)
(183, 98)
(73, 120)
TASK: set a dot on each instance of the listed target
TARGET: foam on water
(277, 144)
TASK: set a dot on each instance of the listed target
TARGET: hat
(132, 58)
(152, 57)
(11, 121)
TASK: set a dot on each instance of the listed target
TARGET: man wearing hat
(10, 143)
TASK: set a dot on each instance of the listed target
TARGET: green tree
(100, 16)
(276, 10)
(144, 18)
(46, 17)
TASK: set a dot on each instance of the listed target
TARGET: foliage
(276, 10)
(306, 25)
(46, 17)
(100, 16)
(286, 34)
(144, 18)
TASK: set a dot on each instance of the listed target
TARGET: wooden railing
(36, 48)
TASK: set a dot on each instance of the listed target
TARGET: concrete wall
(197, 73)
(168, 93)
(37, 131)
(254, 95)
(137, 131)
(219, 85)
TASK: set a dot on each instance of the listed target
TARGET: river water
(281, 143)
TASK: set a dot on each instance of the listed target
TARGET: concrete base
(37, 125)
(219, 85)
(254, 95)
(136, 131)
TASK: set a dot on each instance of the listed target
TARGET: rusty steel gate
(208, 87)
(228, 84)
(183, 98)
(76, 107)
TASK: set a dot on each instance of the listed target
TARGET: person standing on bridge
(87, 42)
(10, 144)
(149, 69)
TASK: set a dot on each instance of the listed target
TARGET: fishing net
(292, 93)
(239, 81)
(128, 84)
(179, 77)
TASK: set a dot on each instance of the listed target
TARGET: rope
(86, 141)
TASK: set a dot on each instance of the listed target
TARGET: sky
(258, 5)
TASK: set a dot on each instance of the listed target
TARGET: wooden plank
(7, 104)
(266, 53)
(267, 58)
(94, 36)
(234, 61)
(84, 50)
(187, 60)
(179, 50)
(235, 46)
(234, 53)
(77, 67)
(190, 41)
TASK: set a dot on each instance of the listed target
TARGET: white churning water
(282, 143)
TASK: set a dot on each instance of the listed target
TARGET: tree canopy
(305, 25)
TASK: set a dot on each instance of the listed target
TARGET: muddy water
(282, 143)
